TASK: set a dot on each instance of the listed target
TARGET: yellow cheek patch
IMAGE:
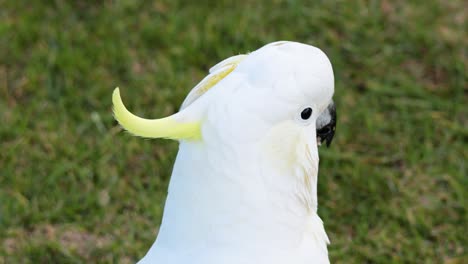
(281, 145)
(287, 148)
(167, 127)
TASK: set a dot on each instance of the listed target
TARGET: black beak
(326, 125)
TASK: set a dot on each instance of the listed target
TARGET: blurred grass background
(74, 189)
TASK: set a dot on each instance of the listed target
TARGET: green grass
(74, 189)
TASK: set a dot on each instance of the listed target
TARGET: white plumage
(244, 184)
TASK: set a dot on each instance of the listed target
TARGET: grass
(74, 189)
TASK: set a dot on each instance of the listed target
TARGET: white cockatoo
(244, 185)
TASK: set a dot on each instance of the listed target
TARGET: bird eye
(306, 113)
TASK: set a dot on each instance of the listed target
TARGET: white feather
(247, 192)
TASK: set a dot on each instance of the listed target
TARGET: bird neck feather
(216, 198)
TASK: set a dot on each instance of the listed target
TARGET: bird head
(246, 170)
(277, 94)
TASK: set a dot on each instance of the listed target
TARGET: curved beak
(326, 125)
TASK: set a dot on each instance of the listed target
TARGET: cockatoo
(244, 184)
